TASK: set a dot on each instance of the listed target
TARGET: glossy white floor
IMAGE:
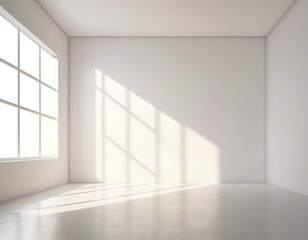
(140, 212)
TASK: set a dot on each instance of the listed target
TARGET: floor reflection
(156, 211)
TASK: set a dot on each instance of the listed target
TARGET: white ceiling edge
(80, 21)
(281, 18)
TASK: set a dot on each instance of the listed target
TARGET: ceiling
(166, 17)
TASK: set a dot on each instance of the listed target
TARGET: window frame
(42, 47)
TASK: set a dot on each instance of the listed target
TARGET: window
(28, 97)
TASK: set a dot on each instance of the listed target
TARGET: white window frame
(42, 47)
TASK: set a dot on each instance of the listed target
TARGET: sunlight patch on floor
(96, 195)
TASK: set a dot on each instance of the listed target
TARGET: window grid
(19, 107)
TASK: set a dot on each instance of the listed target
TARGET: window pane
(29, 56)
(49, 104)
(8, 83)
(29, 134)
(29, 92)
(49, 69)
(8, 130)
(8, 41)
(49, 131)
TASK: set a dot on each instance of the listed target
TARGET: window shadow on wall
(137, 143)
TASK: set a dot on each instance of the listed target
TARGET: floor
(155, 211)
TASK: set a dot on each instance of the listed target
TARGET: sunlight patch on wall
(115, 90)
(142, 148)
(170, 149)
(137, 143)
(115, 163)
(115, 125)
(142, 110)
(202, 158)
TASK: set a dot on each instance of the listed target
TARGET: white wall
(167, 109)
(287, 101)
(21, 178)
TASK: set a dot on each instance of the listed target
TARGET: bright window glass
(49, 101)
(29, 56)
(28, 96)
(29, 92)
(8, 42)
(8, 83)
(29, 134)
(49, 133)
(8, 130)
(49, 69)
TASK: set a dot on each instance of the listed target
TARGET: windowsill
(14, 160)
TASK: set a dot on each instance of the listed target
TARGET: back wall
(167, 110)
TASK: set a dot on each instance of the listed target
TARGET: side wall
(167, 110)
(21, 178)
(287, 101)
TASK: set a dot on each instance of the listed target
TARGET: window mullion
(18, 60)
(40, 115)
